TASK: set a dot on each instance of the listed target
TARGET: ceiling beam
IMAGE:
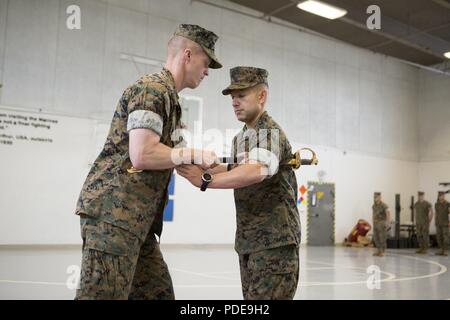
(396, 31)
(413, 34)
(442, 3)
(393, 38)
(282, 8)
(392, 30)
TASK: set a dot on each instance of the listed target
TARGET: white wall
(434, 117)
(40, 185)
(434, 133)
(324, 93)
(40, 181)
(356, 177)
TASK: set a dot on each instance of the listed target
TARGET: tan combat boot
(379, 253)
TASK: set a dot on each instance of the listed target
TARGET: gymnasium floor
(211, 272)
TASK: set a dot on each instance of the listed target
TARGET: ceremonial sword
(295, 161)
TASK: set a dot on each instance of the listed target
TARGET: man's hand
(192, 173)
(206, 159)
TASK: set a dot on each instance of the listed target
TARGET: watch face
(207, 177)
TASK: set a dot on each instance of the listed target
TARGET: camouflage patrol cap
(421, 193)
(205, 38)
(377, 194)
(245, 77)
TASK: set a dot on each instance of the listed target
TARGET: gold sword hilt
(133, 170)
(297, 161)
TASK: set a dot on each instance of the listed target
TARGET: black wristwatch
(206, 179)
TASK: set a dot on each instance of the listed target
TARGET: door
(320, 230)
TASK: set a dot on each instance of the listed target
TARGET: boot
(379, 253)
(441, 253)
(419, 251)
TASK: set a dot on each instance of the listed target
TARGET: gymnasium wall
(434, 134)
(359, 109)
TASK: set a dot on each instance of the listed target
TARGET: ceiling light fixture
(322, 9)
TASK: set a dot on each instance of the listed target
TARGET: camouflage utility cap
(245, 77)
(205, 38)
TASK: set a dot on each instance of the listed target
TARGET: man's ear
(263, 96)
(187, 54)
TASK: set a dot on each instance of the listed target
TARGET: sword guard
(133, 170)
(297, 160)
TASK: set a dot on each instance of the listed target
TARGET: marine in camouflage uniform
(442, 208)
(423, 211)
(381, 217)
(121, 213)
(268, 224)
